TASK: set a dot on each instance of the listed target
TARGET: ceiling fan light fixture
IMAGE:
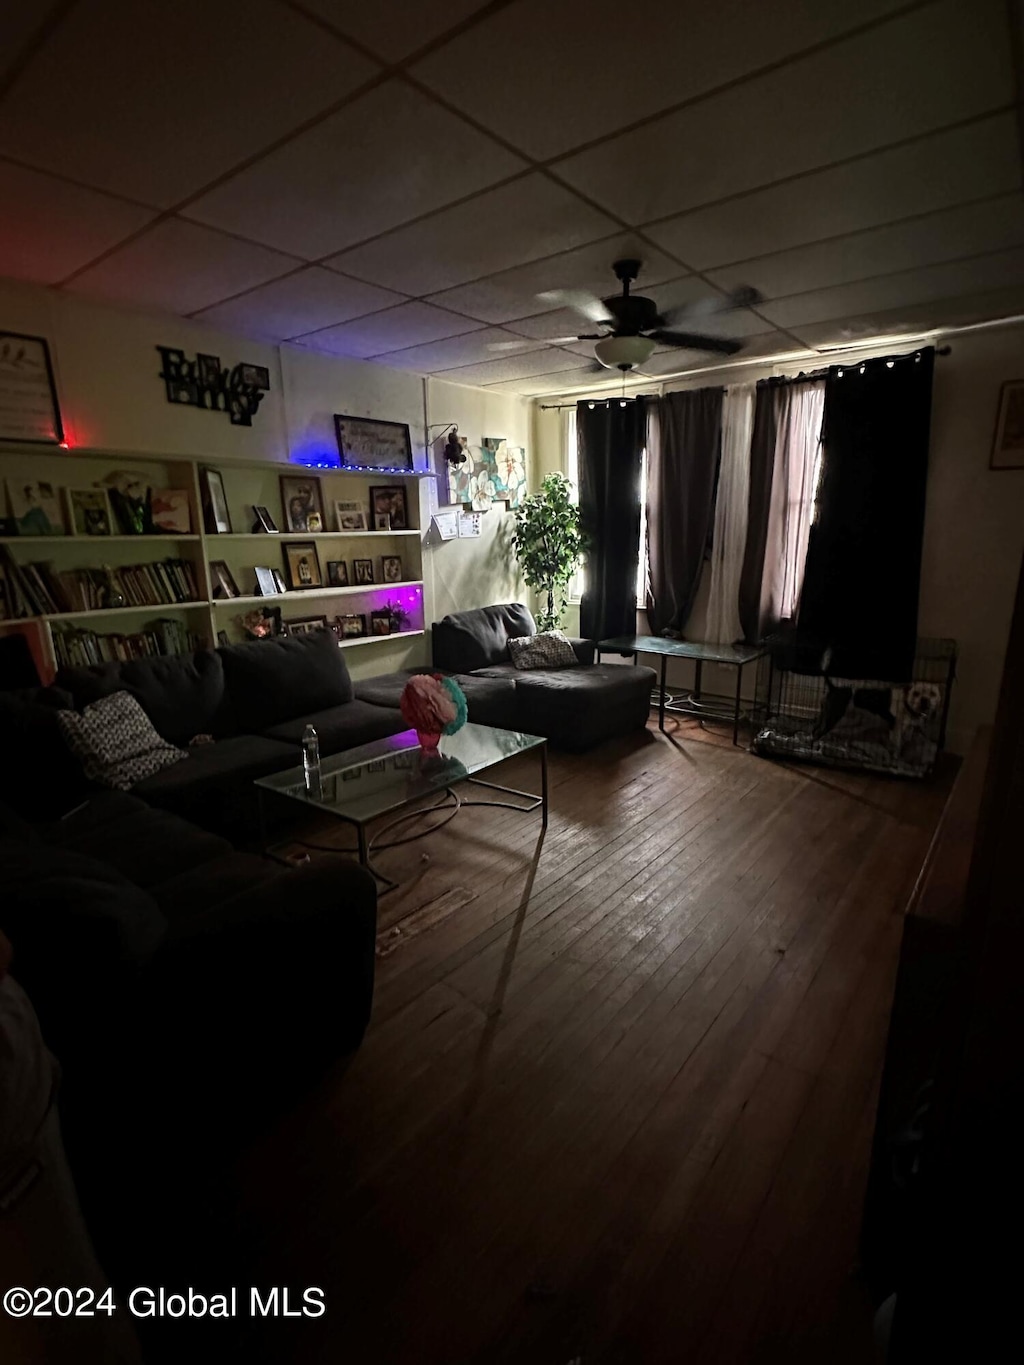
(623, 353)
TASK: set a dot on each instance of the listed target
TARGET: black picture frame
(390, 499)
(222, 581)
(263, 521)
(301, 497)
(21, 377)
(337, 573)
(362, 573)
(216, 513)
(304, 625)
(367, 443)
(352, 626)
(296, 554)
(391, 569)
(380, 623)
(266, 581)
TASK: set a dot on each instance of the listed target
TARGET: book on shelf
(39, 589)
(74, 647)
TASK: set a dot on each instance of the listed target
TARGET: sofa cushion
(467, 640)
(577, 708)
(489, 701)
(270, 681)
(183, 694)
(239, 759)
(546, 649)
(339, 727)
(116, 742)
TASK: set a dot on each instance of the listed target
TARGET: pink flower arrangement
(432, 704)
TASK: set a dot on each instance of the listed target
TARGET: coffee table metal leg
(544, 786)
(661, 699)
(736, 716)
(364, 856)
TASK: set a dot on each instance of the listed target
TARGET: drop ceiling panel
(559, 75)
(513, 293)
(397, 28)
(458, 350)
(393, 330)
(934, 66)
(933, 173)
(179, 267)
(914, 319)
(18, 26)
(529, 218)
(49, 228)
(969, 230)
(154, 101)
(564, 381)
(928, 284)
(299, 303)
(387, 158)
(545, 361)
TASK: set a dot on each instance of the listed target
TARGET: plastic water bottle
(311, 762)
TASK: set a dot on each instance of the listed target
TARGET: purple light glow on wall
(409, 599)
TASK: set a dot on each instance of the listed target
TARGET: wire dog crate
(800, 712)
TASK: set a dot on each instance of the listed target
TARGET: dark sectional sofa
(575, 708)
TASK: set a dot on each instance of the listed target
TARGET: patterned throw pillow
(115, 741)
(549, 649)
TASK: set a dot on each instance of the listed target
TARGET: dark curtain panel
(684, 442)
(610, 438)
(863, 569)
(759, 501)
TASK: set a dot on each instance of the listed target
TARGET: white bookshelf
(247, 483)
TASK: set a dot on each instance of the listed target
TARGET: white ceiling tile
(397, 28)
(394, 330)
(566, 381)
(458, 350)
(19, 25)
(559, 323)
(545, 361)
(679, 360)
(915, 319)
(513, 293)
(932, 67)
(390, 156)
(927, 284)
(935, 172)
(522, 221)
(968, 230)
(299, 303)
(49, 228)
(154, 101)
(181, 268)
(553, 76)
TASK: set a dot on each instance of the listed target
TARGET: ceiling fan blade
(510, 345)
(535, 343)
(745, 296)
(580, 301)
(693, 341)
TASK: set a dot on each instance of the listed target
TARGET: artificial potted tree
(548, 544)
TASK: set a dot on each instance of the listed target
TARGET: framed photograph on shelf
(171, 512)
(382, 521)
(266, 581)
(263, 521)
(365, 443)
(89, 512)
(304, 625)
(221, 581)
(388, 500)
(350, 516)
(391, 568)
(216, 516)
(351, 627)
(380, 623)
(1008, 442)
(29, 410)
(35, 507)
(303, 565)
(302, 500)
(362, 571)
(337, 573)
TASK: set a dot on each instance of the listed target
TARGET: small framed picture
(304, 625)
(29, 410)
(279, 582)
(221, 580)
(391, 568)
(301, 499)
(35, 507)
(208, 367)
(1008, 443)
(350, 516)
(380, 623)
(89, 512)
(352, 627)
(389, 500)
(171, 511)
(256, 375)
(216, 516)
(368, 443)
(267, 581)
(337, 573)
(263, 521)
(362, 571)
(314, 522)
(222, 639)
(303, 565)
(382, 521)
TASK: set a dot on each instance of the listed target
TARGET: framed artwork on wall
(365, 443)
(1008, 442)
(29, 410)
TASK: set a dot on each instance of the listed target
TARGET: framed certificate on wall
(29, 410)
(365, 443)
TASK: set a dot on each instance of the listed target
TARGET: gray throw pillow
(115, 741)
(548, 649)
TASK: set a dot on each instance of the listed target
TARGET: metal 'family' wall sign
(202, 383)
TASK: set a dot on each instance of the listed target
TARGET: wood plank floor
(616, 1100)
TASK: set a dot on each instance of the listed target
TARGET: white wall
(111, 397)
(974, 519)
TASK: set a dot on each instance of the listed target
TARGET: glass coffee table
(394, 774)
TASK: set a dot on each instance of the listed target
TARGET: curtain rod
(777, 378)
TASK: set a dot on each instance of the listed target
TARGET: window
(572, 473)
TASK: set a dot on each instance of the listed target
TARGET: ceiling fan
(635, 325)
